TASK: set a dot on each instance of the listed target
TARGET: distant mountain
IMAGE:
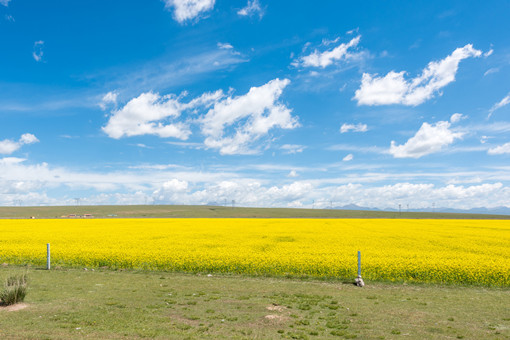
(483, 210)
(479, 210)
(355, 207)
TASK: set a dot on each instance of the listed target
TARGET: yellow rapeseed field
(455, 251)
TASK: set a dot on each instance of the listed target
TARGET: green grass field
(73, 304)
(197, 211)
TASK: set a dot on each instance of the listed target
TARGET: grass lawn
(105, 304)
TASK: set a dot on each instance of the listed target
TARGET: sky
(255, 103)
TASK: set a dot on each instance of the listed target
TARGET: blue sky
(283, 103)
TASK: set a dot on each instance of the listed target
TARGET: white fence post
(48, 261)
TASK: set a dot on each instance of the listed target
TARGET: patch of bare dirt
(14, 308)
(275, 317)
(275, 307)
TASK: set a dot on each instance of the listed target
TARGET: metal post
(48, 256)
(359, 263)
(359, 281)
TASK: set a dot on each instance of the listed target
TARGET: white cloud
(109, 98)
(252, 7)
(148, 113)
(488, 53)
(354, 128)
(491, 70)
(292, 148)
(225, 46)
(168, 72)
(355, 30)
(228, 47)
(499, 150)
(292, 174)
(505, 101)
(143, 115)
(326, 58)
(429, 139)
(38, 52)
(5, 2)
(250, 116)
(143, 146)
(8, 146)
(422, 195)
(394, 89)
(457, 117)
(171, 190)
(243, 192)
(185, 10)
(231, 124)
(28, 138)
(171, 184)
(348, 158)
(357, 148)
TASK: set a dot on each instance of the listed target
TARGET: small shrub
(14, 290)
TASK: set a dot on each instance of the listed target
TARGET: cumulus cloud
(505, 101)
(354, 128)
(30, 183)
(429, 139)
(149, 113)
(230, 124)
(252, 8)
(422, 195)
(185, 10)
(250, 116)
(170, 190)
(143, 115)
(4, 2)
(242, 192)
(303, 193)
(394, 89)
(8, 146)
(38, 52)
(109, 98)
(499, 150)
(326, 58)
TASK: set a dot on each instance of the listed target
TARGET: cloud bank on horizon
(268, 104)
